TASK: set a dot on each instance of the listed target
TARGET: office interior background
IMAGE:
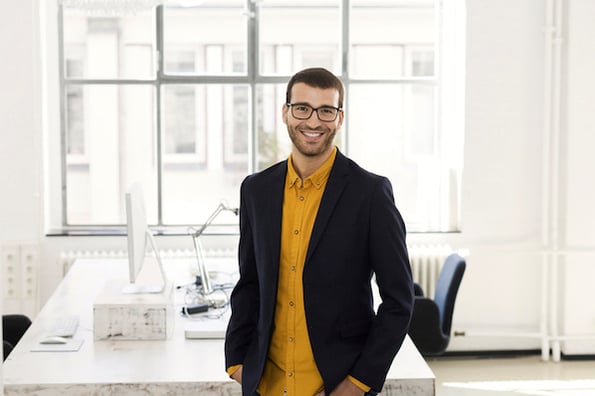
(501, 168)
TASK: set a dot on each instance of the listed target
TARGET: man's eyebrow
(307, 103)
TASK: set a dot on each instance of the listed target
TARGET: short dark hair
(317, 77)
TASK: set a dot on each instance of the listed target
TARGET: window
(186, 99)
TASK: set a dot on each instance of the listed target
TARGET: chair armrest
(425, 314)
(418, 290)
(425, 330)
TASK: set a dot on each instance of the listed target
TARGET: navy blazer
(358, 231)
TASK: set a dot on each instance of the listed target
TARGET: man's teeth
(312, 134)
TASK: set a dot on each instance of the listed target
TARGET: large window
(186, 99)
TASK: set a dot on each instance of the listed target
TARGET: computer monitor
(138, 233)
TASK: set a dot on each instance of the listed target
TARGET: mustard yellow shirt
(290, 368)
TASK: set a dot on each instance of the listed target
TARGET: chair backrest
(447, 288)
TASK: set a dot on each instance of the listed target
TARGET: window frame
(252, 79)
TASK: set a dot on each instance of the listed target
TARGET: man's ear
(340, 120)
(284, 112)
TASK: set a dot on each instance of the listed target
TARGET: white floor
(514, 376)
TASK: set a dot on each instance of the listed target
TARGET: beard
(312, 147)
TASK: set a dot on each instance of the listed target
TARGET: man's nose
(313, 121)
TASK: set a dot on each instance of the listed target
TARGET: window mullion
(160, 52)
(63, 153)
(252, 55)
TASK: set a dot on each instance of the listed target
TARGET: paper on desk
(70, 346)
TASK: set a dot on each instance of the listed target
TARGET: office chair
(432, 319)
(13, 328)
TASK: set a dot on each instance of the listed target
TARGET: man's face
(312, 137)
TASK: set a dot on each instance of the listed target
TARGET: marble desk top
(176, 366)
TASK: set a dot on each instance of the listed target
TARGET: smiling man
(313, 230)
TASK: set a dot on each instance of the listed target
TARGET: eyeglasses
(303, 111)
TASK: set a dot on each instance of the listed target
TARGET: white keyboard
(63, 326)
(206, 328)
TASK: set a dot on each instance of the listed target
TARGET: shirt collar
(318, 178)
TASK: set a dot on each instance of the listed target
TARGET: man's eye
(301, 108)
(327, 110)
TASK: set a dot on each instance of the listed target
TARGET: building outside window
(186, 99)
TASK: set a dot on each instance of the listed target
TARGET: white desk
(176, 366)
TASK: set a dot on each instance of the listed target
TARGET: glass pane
(205, 144)
(111, 138)
(392, 38)
(184, 123)
(75, 127)
(273, 144)
(205, 38)
(109, 47)
(299, 34)
(405, 149)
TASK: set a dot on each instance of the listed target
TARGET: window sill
(111, 231)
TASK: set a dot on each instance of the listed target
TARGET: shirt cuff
(232, 369)
(357, 383)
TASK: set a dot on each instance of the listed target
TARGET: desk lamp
(207, 288)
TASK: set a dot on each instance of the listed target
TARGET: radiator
(426, 262)
(68, 257)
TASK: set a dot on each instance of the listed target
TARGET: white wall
(21, 215)
(502, 180)
(578, 214)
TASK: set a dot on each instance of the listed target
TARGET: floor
(512, 376)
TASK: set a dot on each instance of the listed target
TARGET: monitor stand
(147, 286)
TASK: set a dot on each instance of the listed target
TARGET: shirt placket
(301, 190)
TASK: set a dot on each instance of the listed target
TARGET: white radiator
(68, 257)
(426, 262)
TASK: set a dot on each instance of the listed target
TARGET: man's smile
(311, 134)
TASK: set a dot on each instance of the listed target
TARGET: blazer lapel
(334, 187)
(272, 211)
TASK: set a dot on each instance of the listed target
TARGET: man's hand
(345, 388)
(237, 376)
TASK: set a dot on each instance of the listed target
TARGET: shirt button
(296, 232)
(290, 374)
(290, 339)
(291, 304)
(301, 197)
(293, 267)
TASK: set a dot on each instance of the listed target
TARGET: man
(313, 230)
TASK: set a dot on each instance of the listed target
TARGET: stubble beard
(308, 150)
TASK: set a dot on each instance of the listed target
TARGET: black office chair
(13, 328)
(432, 319)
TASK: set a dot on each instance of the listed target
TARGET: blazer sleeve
(390, 263)
(244, 297)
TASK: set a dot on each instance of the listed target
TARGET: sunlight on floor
(512, 376)
(542, 387)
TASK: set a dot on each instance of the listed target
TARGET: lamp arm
(220, 208)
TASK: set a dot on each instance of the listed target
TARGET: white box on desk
(123, 316)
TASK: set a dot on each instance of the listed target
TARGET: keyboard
(207, 328)
(63, 326)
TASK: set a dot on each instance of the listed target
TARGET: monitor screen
(138, 235)
(136, 224)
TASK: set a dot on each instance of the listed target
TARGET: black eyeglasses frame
(314, 110)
